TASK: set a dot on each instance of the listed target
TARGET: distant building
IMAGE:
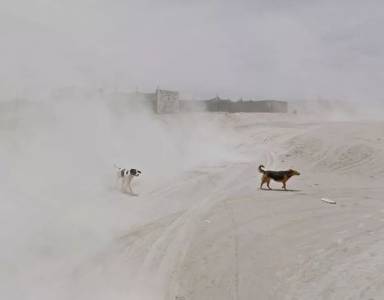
(161, 102)
(267, 106)
(193, 106)
(167, 101)
(218, 105)
(226, 105)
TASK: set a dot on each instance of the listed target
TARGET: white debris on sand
(328, 200)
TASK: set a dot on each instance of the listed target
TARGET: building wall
(218, 105)
(167, 102)
(271, 106)
(192, 106)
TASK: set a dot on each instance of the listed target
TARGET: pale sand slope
(217, 236)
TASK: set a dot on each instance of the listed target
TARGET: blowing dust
(60, 202)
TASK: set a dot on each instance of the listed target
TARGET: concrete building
(267, 106)
(161, 102)
(193, 106)
(167, 101)
(226, 105)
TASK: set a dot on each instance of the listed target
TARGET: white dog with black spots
(126, 175)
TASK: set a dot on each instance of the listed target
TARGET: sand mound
(344, 148)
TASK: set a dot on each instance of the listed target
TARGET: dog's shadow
(114, 189)
(279, 190)
(131, 194)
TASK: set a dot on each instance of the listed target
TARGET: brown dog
(280, 176)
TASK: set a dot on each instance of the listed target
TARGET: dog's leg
(269, 180)
(126, 185)
(123, 183)
(129, 185)
(263, 180)
(117, 181)
(284, 185)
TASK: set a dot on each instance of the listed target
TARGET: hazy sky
(250, 48)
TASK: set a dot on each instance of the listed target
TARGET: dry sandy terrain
(215, 235)
(206, 231)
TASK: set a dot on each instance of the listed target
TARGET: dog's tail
(117, 168)
(261, 169)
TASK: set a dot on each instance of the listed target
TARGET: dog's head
(135, 172)
(294, 172)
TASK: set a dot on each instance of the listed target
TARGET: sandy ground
(200, 228)
(213, 234)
